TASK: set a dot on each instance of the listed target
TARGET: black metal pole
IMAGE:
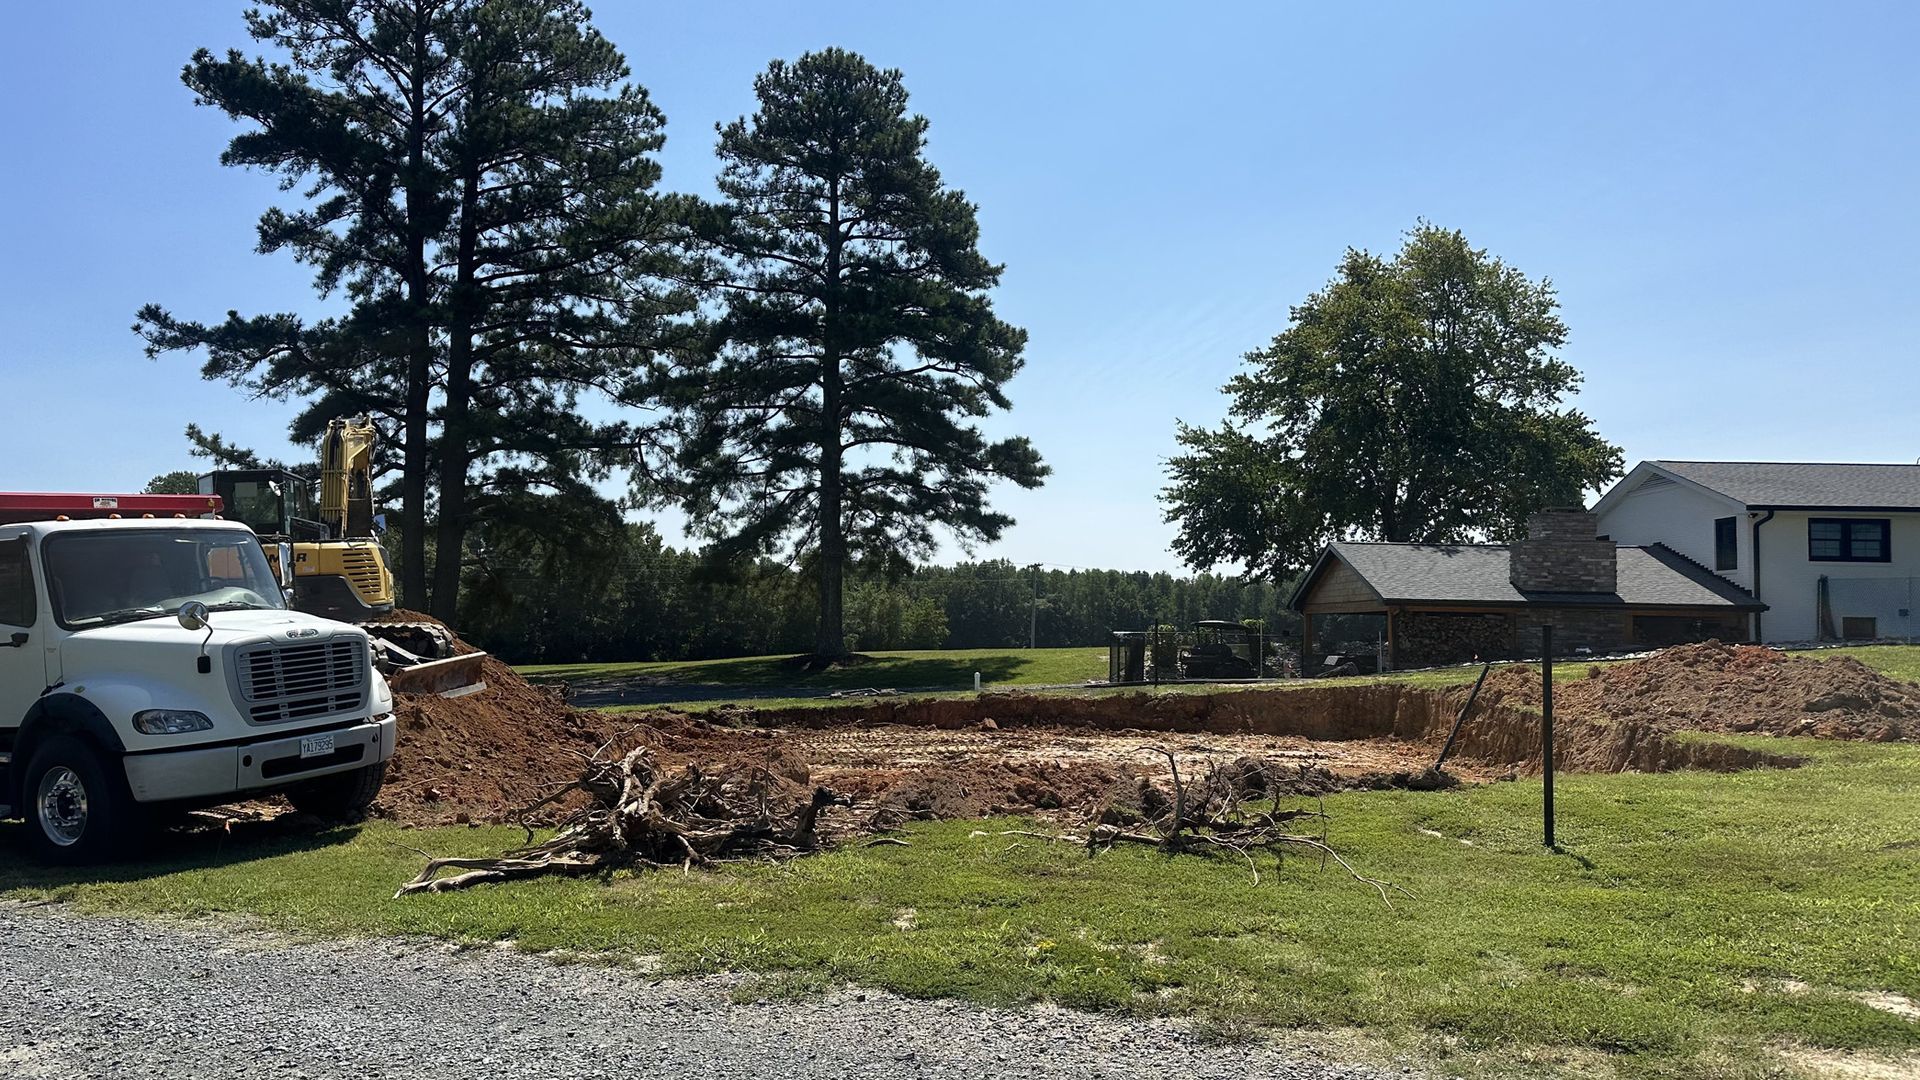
(1546, 724)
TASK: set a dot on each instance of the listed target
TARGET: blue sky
(1725, 196)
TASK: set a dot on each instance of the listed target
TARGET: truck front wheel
(76, 810)
(340, 797)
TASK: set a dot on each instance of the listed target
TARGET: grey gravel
(89, 996)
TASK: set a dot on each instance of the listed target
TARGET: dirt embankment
(1731, 688)
(484, 756)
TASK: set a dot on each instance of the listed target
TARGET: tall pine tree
(835, 414)
(477, 177)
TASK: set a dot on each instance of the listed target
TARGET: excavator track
(426, 641)
(418, 658)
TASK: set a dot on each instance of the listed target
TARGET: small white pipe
(976, 682)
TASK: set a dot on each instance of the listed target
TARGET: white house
(1831, 550)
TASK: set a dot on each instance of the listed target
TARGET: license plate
(316, 745)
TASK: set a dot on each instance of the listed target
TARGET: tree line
(640, 598)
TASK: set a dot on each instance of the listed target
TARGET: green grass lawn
(1656, 945)
(905, 668)
(772, 681)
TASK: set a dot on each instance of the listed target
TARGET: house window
(1855, 629)
(1726, 544)
(1849, 540)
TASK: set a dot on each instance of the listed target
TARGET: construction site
(491, 755)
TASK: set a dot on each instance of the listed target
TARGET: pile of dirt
(1728, 688)
(485, 755)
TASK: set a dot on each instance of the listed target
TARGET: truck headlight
(170, 721)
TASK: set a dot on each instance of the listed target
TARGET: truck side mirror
(285, 555)
(18, 640)
(192, 615)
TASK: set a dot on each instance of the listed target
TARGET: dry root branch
(637, 814)
(1214, 815)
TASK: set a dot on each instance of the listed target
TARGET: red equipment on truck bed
(18, 506)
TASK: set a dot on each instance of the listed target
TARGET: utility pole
(1033, 613)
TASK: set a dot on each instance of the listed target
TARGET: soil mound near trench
(484, 755)
(1729, 688)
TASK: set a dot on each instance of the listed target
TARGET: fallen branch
(639, 815)
(1210, 816)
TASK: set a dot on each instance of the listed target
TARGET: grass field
(1694, 923)
(772, 681)
(925, 668)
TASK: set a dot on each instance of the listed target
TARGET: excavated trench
(1496, 734)
(487, 755)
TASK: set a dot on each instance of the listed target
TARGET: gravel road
(100, 997)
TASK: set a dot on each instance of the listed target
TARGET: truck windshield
(119, 575)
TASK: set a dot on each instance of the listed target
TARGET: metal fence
(1868, 609)
(1222, 652)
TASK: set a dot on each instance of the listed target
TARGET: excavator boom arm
(346, 477)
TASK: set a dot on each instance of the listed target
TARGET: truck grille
(298, 682)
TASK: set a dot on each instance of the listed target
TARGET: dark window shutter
(1726, 544)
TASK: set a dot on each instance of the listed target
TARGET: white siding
(1789, 581)
(1681, 517)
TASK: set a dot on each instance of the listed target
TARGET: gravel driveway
(99, 997)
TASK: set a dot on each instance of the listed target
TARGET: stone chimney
(1561, 554)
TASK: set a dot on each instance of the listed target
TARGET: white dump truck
(149, 663)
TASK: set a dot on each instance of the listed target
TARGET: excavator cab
(344, 578)
(275, 503)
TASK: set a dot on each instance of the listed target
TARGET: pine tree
(835, 411)
(477, 177)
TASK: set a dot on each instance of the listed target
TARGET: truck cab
(152, 663)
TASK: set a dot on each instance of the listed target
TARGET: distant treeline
(642, 600)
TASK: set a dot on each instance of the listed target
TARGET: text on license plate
(316, 745)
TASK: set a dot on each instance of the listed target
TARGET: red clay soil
(485, 756)
(1730, 688)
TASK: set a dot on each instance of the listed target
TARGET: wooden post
(1546, 728)
(1462, 718)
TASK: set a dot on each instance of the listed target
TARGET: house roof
(1789, 485)
(1479, 574)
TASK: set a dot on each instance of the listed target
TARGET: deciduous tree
(178, 482)
(1414, 398)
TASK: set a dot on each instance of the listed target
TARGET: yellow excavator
(333, 560)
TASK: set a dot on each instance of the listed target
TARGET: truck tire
(78, 809)
(342, 797)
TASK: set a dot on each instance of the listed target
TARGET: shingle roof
(1812, 485)
(1654, 576)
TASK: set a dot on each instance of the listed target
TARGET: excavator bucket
(454, 676)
